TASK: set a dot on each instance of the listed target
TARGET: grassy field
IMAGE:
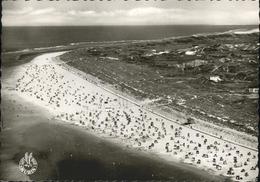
(208, 77)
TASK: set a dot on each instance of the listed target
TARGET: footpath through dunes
(74, 99)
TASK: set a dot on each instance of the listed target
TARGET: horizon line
(127, 25)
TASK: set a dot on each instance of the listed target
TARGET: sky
(131, 12)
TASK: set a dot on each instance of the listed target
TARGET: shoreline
(9, 159)
(68, 45)
(56, 68)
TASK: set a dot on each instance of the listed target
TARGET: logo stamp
(28, 164)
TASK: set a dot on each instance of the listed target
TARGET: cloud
(136, 16)
(42, 11)
(23, 11)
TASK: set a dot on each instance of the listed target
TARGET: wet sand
(65, 151)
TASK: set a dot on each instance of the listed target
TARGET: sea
(20, 38)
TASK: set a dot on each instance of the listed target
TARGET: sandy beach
(65, 151)
(73, 97)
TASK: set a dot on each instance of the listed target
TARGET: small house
(215, 79)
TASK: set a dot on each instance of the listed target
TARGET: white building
(215, 78)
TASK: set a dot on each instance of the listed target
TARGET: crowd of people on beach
(80, 102)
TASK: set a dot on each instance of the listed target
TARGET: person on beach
(103, 113)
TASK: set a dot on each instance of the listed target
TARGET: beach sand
(66, 151)
(74, 99)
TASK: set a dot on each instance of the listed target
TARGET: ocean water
(19, 38)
